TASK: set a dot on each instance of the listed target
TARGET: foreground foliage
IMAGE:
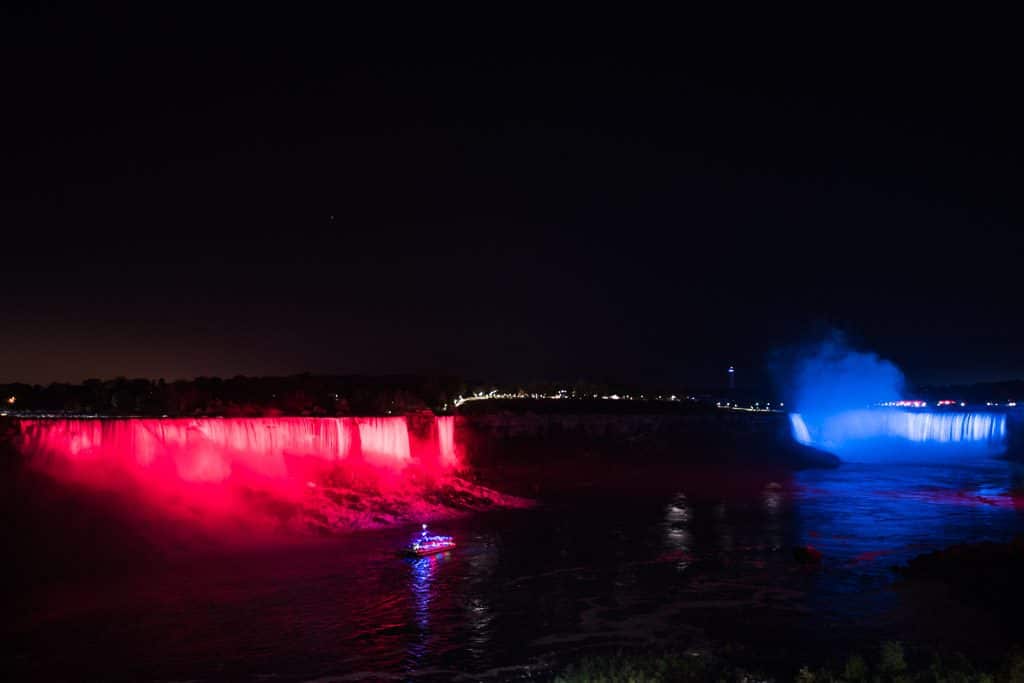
(889, 664)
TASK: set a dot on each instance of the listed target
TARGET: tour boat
(428, 544)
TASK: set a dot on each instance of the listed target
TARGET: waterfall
(858, 429)
(384, 440)
(446, 440)
(248, 480)
(216, 449)
(800, 431)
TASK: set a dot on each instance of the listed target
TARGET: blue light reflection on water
(868, 517)
(422, 577)
(422, 586)
(862, 511)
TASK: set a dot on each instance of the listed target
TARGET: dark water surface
(696, 561)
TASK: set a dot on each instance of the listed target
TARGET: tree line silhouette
(239, 396)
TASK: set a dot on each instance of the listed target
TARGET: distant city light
(905, 404)
(496, 394)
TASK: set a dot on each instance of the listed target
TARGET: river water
(696, 561)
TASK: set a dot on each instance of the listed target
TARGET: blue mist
(834, 390)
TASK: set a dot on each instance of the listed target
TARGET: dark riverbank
(970, 579)
(891, 662)
(536, 454)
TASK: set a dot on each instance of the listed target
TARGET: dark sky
(176, 202)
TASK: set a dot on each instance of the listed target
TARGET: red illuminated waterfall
(206, 465)
(214, 449)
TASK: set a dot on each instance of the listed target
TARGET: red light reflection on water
(1006, 501)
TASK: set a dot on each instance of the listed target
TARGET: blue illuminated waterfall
(870, 433)
(831, 388)
(875, 430)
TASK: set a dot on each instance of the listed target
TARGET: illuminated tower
(732, 378)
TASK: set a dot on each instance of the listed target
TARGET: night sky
(175, 204)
